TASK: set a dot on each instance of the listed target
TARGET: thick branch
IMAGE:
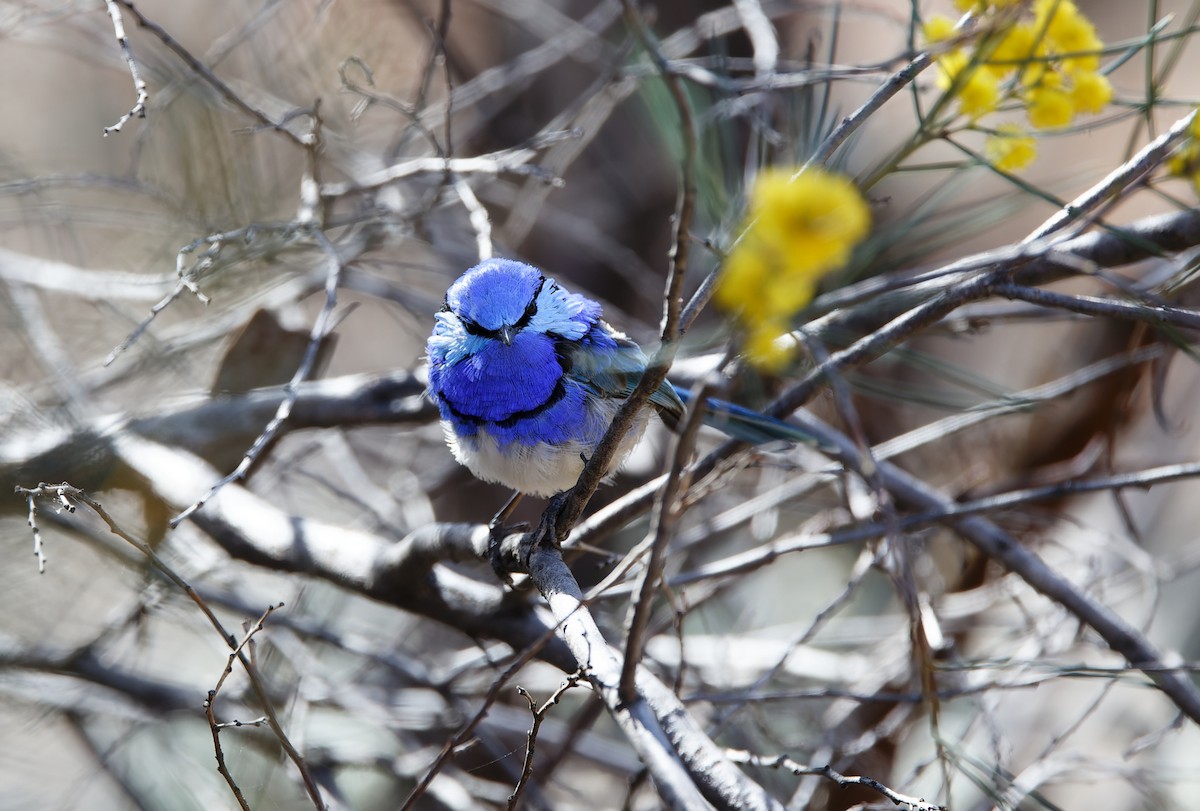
(679, 755)
(399, 574)
(216, 429)
(407, 575)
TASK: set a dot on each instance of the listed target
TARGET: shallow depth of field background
(371, 693)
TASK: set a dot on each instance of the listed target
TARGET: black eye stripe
(475, 329)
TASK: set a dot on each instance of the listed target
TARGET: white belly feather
(540, 469)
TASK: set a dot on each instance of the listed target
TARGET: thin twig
(201, 70)
(467, 729)
(664, 515)
(214, 245)
(31, 496)
(1131, 171)
(662, 526)
(848, 125)
(509, 161)
(145, 323)
(583, 720)
(64, 490)
(539, 715)
(656, 371)
(320, 329)
(785, 762)
(210, 712)
(1157, 315)
(138, 110)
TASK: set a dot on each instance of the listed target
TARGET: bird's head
(501, 299)
(496, 299)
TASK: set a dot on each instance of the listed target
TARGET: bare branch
(687, 767)
(1002, 547)
(662, 526)
(656, 371)
(1132, 171)
(210, 711)
(138, 110)
(785, 762)
(202, 70)
(539, 714)
(762, 36)
(511, 161)
(65, 490)
(320, 329)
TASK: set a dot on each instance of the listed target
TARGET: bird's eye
(530, 308)
(526, 317)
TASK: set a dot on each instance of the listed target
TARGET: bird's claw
(546, 532)
(497, 532)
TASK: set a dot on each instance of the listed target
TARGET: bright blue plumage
(528, 378)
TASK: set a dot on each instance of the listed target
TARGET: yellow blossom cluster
(1185, 162)
(798, 227)
(1044, 55)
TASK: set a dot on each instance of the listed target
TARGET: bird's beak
(506, 335)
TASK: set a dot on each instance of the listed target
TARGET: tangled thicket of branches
(976, 590)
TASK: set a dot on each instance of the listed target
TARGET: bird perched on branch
(527, 378)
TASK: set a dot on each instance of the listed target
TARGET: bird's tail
(746, 424)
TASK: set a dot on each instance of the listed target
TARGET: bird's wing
(614, 369)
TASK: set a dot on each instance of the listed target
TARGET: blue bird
(527, 379)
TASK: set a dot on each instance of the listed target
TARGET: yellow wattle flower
(1010, 149)
(949, 65)
(765, 347)
(979, 94)
(812, 220)
(1185, 162)
(1017, 45)
(1049, 108)
(1091, 92)
(1044, 55)
(1068, 31)
(798, 228)
(938, 28)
